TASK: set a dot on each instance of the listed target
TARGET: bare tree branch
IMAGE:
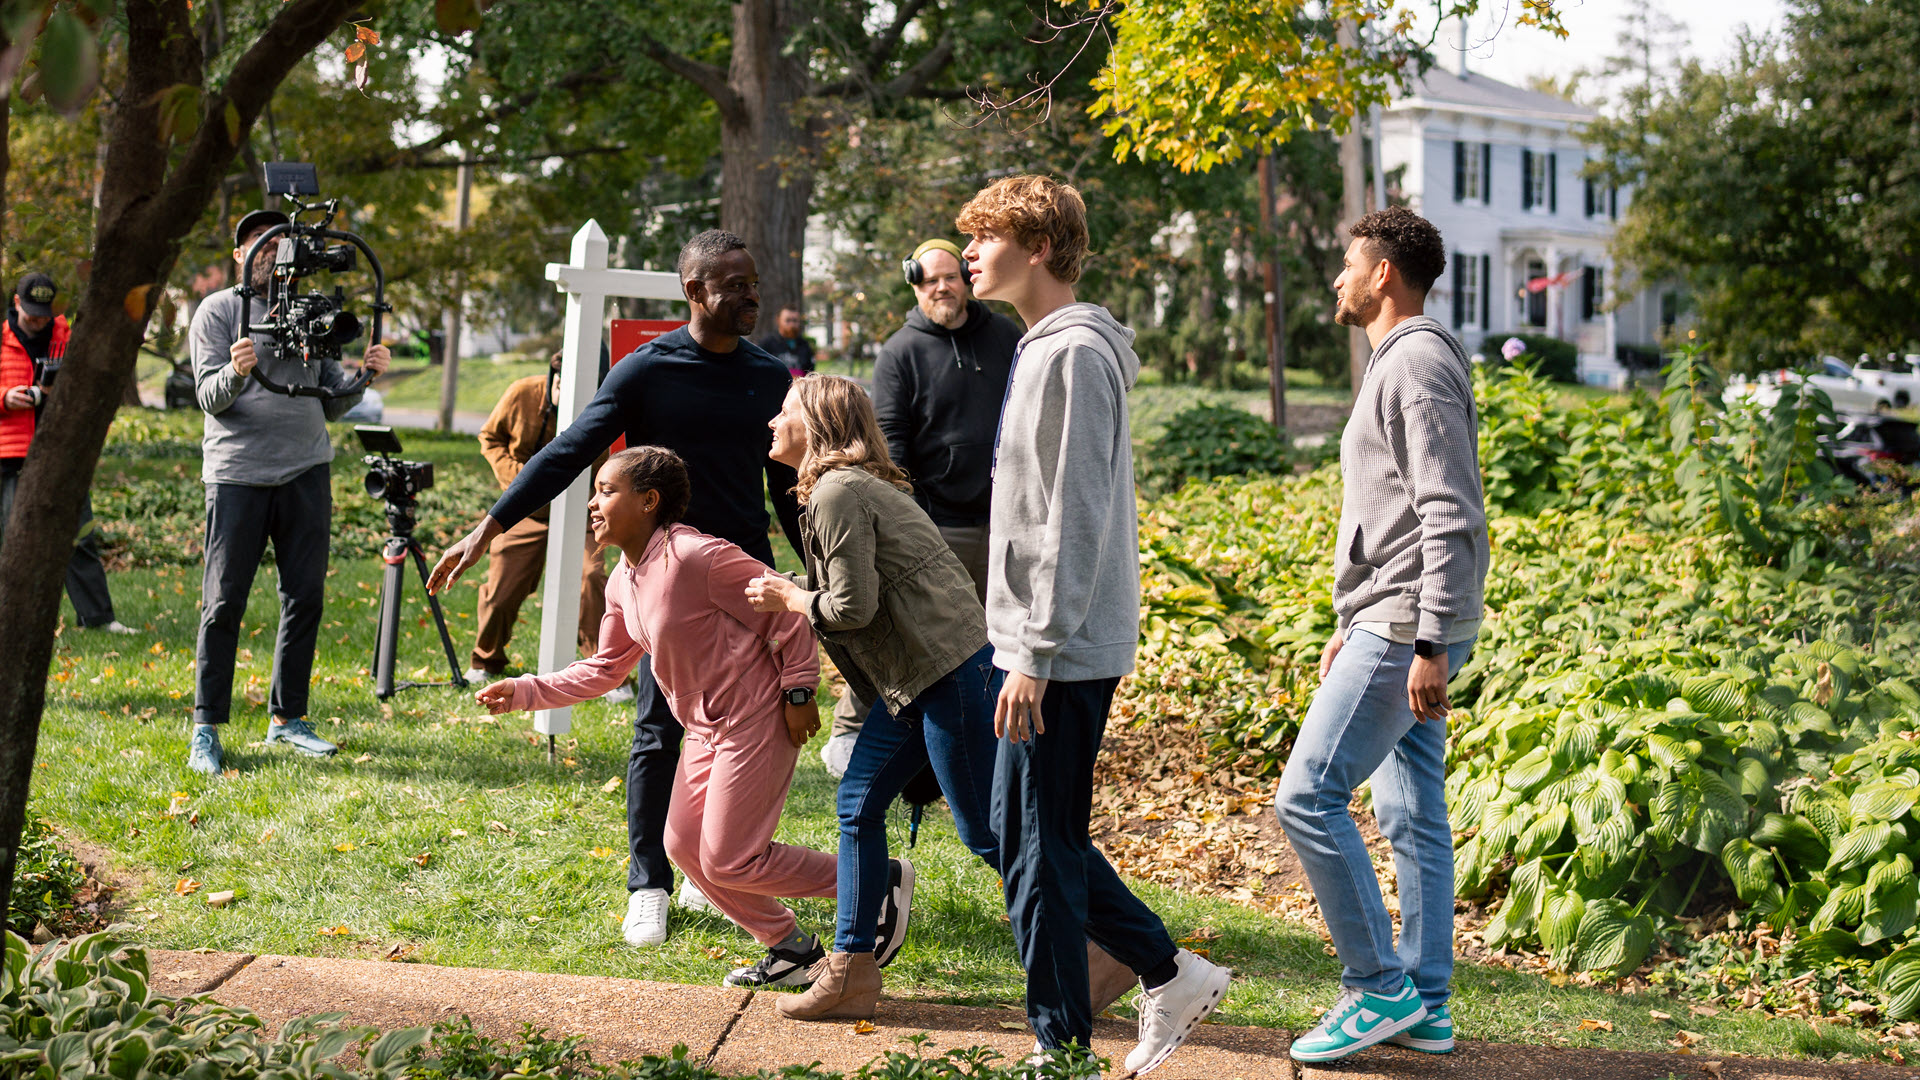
(1095, 21)
(710, 79)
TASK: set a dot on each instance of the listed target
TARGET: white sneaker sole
(1202, 1006)
(885, 954)
(1425, 1046)
(1372, 1038)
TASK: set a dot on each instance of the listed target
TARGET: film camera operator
(267, 471)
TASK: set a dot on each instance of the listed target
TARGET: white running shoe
(619, 695)
(1170, 1012)
(693, 899)
(477, 677)
(646, 922)
(837, 752)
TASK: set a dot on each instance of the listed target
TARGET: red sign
(628, 335)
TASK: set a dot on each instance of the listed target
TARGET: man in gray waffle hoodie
(1063, 616)
(1409, 566)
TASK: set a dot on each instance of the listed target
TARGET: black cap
(36, 293)
(253, 221)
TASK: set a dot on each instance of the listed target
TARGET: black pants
(86, 576)
(1061, 891)
(297, 517)
(651, 765)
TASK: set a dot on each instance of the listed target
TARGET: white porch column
(1556, 297)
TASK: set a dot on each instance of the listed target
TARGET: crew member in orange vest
(31, 347)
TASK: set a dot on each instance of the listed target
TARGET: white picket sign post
(588, 284)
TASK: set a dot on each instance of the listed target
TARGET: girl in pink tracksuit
(732, 675)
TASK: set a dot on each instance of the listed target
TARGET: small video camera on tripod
(399, 484)
(311, 327)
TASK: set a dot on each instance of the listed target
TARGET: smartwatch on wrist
(799, 695)
(1423, 647)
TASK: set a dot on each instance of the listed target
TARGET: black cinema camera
(399, 483)
(313, 326)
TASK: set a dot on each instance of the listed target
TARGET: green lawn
(413, 385)
(447, 833)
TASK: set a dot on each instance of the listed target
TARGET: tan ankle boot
(846, 986)
(1107, 978)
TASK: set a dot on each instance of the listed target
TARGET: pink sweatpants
(727, 798)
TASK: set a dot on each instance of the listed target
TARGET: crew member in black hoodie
(937, 389)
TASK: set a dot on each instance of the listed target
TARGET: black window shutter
(1459, 294)
(1459, 171)
(1553, 183)
(1586, 293)
(1486, 289)
(1486, 173)
(1613, 202)
(1526, 179)
(1588, 197)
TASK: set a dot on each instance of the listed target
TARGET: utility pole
(1353, 207)
(1276, 297)
(450, 358)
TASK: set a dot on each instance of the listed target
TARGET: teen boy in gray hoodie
(1063, 617)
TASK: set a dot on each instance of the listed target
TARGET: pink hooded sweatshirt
(717, 660)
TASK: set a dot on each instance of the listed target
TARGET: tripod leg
(388, 634)
(439, 618)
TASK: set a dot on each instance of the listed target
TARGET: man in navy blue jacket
(705, 392)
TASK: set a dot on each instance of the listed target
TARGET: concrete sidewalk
(739, 1032)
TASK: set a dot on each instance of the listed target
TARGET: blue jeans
(1061, 891)
(949, 726)
(1360, 726)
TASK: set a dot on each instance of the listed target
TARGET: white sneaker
(693, 899)
(477, 677)
(117, 627)
(1170, 1012)
(837, 752)
(619, 695)
(646, 922)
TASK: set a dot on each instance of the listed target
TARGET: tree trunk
(6, 165)
(1353, 207)
(767, 152)
(145, 211)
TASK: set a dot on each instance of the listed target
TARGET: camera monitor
(292, 178)
(377, 439)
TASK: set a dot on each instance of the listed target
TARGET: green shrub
(1552, 357)
(1209, 440)
(45, 878)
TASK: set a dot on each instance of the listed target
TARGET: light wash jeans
(1360, 726)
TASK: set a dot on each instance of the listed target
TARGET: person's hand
(496, 697)
(462, 556)
(772, 593)
(377, 359)
(1016, 715)
(802, 722)
(1427, 688)
(243, 356)
(1334, 644)
(19, 398)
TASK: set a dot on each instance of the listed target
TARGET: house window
(1539, 181)
(1469, 290)
(1593, 292)
(1532, 310)
(1603, 200)
(1472, 172)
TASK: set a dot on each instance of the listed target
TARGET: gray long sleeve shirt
(253, 436)
(1413, 526)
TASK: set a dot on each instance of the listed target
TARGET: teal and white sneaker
(1360, 1019)
(299, 735)
(1434, 1035)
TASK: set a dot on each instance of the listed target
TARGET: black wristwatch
(799, 695)
(1423, 647)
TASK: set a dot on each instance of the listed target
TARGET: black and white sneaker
(895, 910)
(780, 967)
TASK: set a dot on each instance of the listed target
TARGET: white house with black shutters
(1498, 170)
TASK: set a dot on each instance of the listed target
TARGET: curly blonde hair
(1033, 210)
(842, 432)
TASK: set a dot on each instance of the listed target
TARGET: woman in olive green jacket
(899, 616)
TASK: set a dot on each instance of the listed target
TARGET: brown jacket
(518, 427)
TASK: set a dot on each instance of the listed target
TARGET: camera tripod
(399, 545)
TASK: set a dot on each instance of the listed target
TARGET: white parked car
(1848, 391)
(1898, 379)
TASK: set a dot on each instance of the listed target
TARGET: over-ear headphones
(915, 273)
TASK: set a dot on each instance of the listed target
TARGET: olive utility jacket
(890, 601)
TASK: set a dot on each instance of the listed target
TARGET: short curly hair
(1033, 210)
(1408, 241)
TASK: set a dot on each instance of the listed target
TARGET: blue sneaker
(203, 753)
(299, 735)
(1360, 1019)
(1434, 1035)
